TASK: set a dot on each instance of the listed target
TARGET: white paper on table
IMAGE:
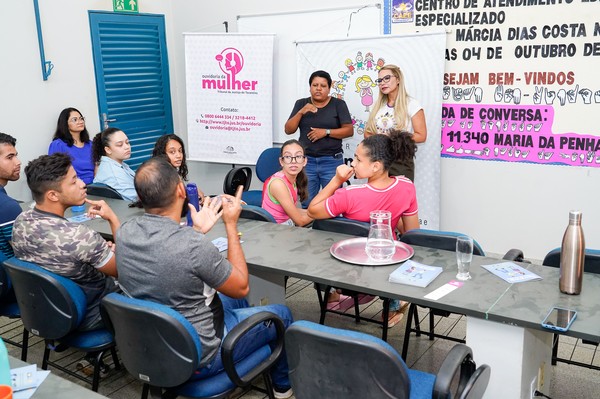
(444, 290)
(26, 380)
(221, 243)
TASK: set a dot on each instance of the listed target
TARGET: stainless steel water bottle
(572, 256)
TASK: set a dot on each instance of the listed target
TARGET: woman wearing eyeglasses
(396, 110)
(282, 190)
(72, 137)
(323, 121)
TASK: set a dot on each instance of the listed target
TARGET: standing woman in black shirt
(323, 121)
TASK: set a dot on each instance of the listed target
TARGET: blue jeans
(236, 310)
(394, 305)
(319, 172)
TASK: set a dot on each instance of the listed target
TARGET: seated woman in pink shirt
(372, 160)
(282, 190)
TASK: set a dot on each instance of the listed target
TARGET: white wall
(189, 16)
(29, 106)
(502, 205)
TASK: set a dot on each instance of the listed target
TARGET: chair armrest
(515, 255)
(460, 356)
(237, 333)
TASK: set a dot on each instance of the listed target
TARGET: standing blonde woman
(396, 110)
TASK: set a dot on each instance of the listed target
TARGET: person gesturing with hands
(226, 206)
(323, 122)
(101, 209)
(204, 219)
(161, 260)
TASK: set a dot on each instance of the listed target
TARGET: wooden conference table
(503, 320)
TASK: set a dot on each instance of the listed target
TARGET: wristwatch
(327, 132)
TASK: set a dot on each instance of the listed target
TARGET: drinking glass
(380, 242)
(464, 255)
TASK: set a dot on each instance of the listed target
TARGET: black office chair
(591, 265)
(102, 190)
(52, 307)
(8, 302)
(166, 351)
(237, 177)
(354, 228)
(445, 240)
(327, 362)
(256, 213)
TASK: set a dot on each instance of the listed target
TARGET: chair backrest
(237, 177)
(102, 190)
(6, 250)
(51, 305)
(268, 163)
(157, 344)
(256, 213)
(327, 362)
(445, 240)
(343, 225)
(591, 264)
(476, 385)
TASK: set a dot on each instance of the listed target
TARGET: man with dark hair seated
(10, 170)
(43, 236)
(162, 261)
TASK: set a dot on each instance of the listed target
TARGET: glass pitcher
(380, 243)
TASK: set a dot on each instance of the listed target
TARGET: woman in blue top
(111, 147)
(72, 137)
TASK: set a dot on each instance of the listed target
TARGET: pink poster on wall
(513, 133)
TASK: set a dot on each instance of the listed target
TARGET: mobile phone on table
(559, 319)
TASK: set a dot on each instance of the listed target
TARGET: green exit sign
(125, 5)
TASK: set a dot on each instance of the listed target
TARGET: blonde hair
(400, 106)
(364, 78)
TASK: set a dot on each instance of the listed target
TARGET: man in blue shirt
(10, 170)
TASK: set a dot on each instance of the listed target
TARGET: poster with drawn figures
(521, 81)
(229, 83)
(354, 65)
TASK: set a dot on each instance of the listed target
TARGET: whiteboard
(290, 27)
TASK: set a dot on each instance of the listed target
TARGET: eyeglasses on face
(385, 79)
(289, 158)
(76, 119)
